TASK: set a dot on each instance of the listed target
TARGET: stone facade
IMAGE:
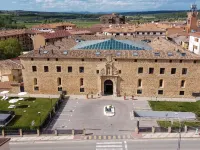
(112, 19)
(122, 72)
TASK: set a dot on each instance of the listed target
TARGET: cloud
(105, 5)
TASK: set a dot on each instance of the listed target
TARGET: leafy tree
(10, 48)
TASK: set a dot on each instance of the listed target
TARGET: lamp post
(179, 139)
(39, 113)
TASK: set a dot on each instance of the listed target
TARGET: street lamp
(39, 113)
(179, 139)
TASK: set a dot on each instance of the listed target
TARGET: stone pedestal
(3, 133)
(73, 132)
(153, 129)
(56, 132)
(169, 129)
(38, 132)
(186, 129)
(137, 130)
(20, 132)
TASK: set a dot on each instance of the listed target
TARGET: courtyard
(89, 115)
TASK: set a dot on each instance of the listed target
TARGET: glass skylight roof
(112, 44)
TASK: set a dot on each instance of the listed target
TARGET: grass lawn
(24, 119)
(176, 106)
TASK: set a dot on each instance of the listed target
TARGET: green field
(85, 24)
(27, 111)
(178, 107)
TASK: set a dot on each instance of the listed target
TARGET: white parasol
(4, 92)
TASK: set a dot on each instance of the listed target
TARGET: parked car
(109, 110)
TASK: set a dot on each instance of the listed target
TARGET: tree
(10, 48)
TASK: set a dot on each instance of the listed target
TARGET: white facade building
(194, 43)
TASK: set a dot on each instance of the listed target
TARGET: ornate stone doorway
(108, 87)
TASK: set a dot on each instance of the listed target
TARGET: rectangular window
(59, 88)
(196, 40)
(183, 83)
(139, 83)
(34, 68)
(82, 90)
(162, 70)
(140, 70)
(182, 93)
(160, 92)
(173, 71)
(194, 47)
(151, 70)
(36, 88)
(184, 71)
(81, 69)
(161, 83)
(69, 69)
(58, 68)
(120, 71)
(139, 91)
(46, 69)
(97, 71)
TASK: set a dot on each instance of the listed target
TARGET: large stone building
(112, 67)
(112, 19)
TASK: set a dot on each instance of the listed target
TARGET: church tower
(192, 20)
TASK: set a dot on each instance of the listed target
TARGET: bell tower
(192, 20)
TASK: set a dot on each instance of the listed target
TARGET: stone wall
(124, 82)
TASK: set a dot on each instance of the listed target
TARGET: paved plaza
(88, 114)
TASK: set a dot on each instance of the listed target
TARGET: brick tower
(192, 20)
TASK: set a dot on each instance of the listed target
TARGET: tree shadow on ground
(30, 99)
(22, 106)
(14, 120)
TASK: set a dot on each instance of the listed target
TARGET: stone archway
(108, 87)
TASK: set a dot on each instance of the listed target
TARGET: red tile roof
(56, 34)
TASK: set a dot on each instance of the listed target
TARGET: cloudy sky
(96, 5)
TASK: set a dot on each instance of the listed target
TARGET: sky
(96, 5)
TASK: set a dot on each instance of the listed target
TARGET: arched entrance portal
(108, 87)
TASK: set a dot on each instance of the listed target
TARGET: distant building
(54, 27)
(194, 43)
(4, 144)
(44, 39)
(192, 20)
(112, 19)
(22, 35)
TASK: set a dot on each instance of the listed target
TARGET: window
(160, 92)
(194, 47)
(173, 71)
(135, 60)
(32, 59)
(81, 82)
(195, 61)
(36, 88)
(151, 70)
(156, 60)
(34, 68)
(46, 69)
(35, 81)
(162, 70)
(181, 61)
(97, 71)
(100, 59)
(183, 83)
(120, 71)
(140, 70)
(182, 93)
(82, 60)
(82, 90)
(47, 59)
(59, 81)
(139, 91)
(170, 61)
(196, 40)
(81, 69)
(139, 83)
(56, 59)
(69, 69)
(161, 83)
(59, 88)
(58, 68)
(184, 71)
